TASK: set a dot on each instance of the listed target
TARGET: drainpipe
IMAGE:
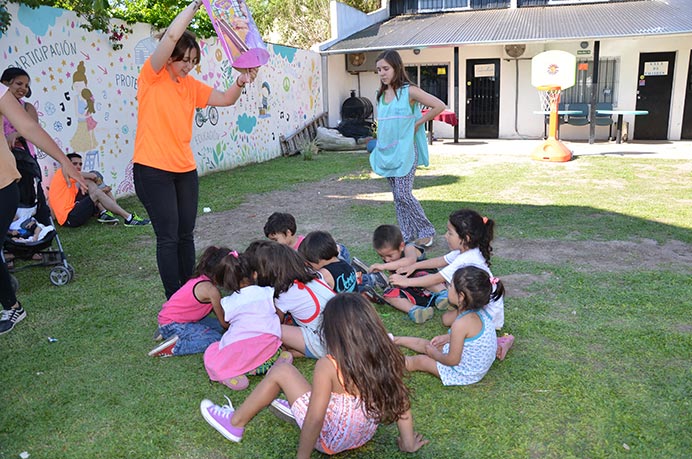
(325, 87)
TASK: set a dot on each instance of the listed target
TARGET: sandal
(236, 383)
(285, 357)
(503, 345)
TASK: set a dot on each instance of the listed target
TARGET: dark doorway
(687, 113)
(482, 98)
(654, 91)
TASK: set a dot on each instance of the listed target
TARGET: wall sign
(658, 68)
(484, 70)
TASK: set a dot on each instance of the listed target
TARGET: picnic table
(446, 116)
(620, 114)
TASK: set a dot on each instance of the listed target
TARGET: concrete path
(681, 149)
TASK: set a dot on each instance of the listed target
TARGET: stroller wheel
(59, 276)
(70, 268)
(15, 283)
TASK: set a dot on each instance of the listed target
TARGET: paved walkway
(681, 149)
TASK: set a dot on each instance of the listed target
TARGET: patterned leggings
(409, 213)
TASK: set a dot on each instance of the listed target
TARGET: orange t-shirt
(164, 119)
(60, 197)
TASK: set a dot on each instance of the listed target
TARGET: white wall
(50, 45)
(526, 124)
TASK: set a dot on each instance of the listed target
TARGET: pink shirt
(299, 240)
(183, 306)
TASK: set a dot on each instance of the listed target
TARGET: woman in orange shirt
(165, 172)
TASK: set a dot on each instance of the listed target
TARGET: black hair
(400, 77)
(474, 230)
(74, 156)
(477, 287)
(280, 222)
(387, 237)
(233, 269)
(209, 260)
(318, 245)
(278, 266)
(11, 73)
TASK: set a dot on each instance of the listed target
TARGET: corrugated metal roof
(548, 23)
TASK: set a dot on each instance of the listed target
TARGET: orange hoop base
(552, 150)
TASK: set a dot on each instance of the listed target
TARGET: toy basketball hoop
(551, 72)
(549, 97)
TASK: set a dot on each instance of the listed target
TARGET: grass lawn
(601, 365)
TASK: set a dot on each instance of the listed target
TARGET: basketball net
(549, 97)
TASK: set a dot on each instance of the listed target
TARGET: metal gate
(482, 98)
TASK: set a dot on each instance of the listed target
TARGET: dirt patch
(321, 205)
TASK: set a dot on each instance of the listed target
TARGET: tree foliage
(299, 23)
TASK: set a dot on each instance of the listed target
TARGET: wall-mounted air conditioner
(361, 62)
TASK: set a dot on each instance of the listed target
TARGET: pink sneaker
(219, 417)
(503, 345)
(236, 383)
(164, 349)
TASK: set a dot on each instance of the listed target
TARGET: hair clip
(494, 280)
(233, 253)
(485, 220)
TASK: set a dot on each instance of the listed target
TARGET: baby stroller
(22, 243)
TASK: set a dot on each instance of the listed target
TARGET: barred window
(607, 90)
(431, 78)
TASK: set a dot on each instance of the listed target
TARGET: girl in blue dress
(464, 355)
(401, 144)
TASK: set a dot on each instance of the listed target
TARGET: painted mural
(85, 95)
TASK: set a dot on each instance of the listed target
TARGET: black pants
(170, 199)
(9, 200)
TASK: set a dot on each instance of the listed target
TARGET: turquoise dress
(394, 155)
(476, 358)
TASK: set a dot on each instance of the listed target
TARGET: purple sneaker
(219, 417)
(282, 409)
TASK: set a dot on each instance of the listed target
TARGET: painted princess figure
(83, 139)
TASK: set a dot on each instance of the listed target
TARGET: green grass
(601, 359)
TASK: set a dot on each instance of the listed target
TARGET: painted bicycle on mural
(210, 114)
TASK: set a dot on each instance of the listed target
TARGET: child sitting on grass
(184, 321)
(357, 386)
(464, 355)
(468, 237)
(281, 227)
(389, 244)
(298, 291)
(252, 343)
(321, 252)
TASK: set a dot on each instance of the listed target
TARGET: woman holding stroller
(12, 310)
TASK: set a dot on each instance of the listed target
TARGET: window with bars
(431, 78)
(417, 6)
(607, 89)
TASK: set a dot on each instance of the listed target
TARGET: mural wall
(85, 95)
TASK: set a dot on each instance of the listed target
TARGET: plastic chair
(582, 119)
(604, 120)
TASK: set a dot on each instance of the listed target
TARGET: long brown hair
(370, 363)
(277, 266)
(400, 77)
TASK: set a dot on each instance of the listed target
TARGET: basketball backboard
(553, 68)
